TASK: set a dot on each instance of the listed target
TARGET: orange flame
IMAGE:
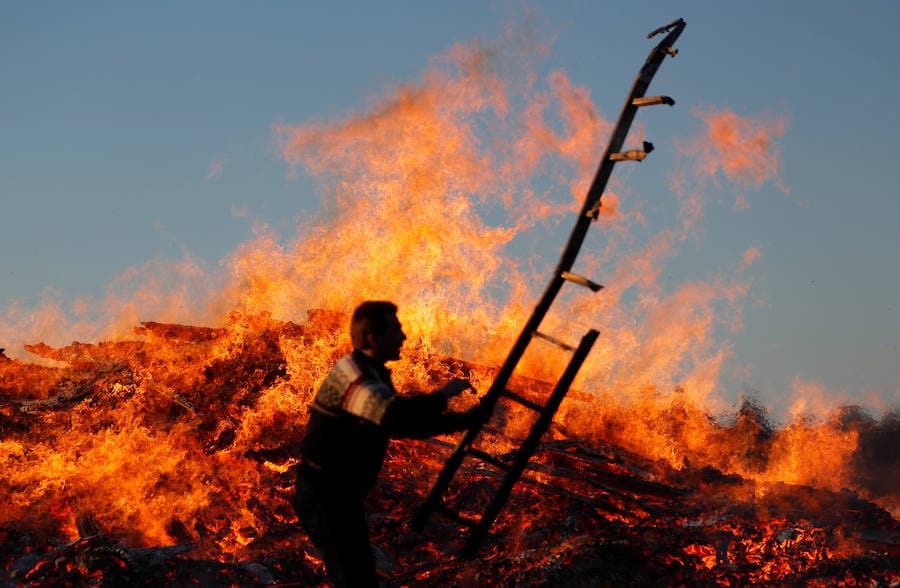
(434, 198)
(742, 148)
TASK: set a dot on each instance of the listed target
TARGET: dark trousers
(337, 526)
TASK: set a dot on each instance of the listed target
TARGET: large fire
(164, 451)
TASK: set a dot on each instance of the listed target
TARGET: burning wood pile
(166, 460)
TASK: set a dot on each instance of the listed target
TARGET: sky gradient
(133, 133)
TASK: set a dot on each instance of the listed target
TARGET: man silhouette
(355, 413)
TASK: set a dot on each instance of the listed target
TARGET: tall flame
(437, 197)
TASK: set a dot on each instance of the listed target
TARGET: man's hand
(455, 387)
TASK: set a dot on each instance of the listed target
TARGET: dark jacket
(355, 412)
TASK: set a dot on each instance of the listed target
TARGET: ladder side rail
(492, 396)
(567, 260)
(626, 115)
(530, 445)
(582, 224)
(433, 501)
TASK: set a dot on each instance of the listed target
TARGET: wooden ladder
(562, 274)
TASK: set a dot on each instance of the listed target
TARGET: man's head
(376, 331)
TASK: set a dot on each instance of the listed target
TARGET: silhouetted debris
(584, 513)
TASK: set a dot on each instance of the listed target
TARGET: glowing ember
(169, 459)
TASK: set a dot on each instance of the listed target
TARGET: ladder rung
(453, 515)
(484, 456)
(523, 401)
(653, 100)
(581, 281)
(630, 155)
(553, 340)
(633, 154)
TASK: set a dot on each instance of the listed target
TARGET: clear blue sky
(112, 113)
